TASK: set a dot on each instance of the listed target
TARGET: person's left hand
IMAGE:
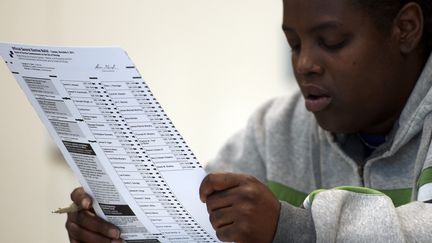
(241, 208)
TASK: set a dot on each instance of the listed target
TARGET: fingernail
(114, 233)
(86, 203)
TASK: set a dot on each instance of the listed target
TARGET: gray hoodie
(382, 198)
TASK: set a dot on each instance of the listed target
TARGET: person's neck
(382, 128)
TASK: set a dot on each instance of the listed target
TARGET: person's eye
(295, 48)
(293, 41)
(332, 45)
(295, 45)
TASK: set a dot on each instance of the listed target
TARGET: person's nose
(307, 63)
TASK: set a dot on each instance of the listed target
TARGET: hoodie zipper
(360, 170)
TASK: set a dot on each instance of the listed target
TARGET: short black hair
(384, 12)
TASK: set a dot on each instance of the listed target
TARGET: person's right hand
(85, 226)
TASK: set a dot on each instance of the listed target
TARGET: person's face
(347, 69)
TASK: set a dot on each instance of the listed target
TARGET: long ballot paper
(117, 139)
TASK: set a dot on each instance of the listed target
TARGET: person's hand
(86, 227)
(241, 208)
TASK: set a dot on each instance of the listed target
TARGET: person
(359, 130)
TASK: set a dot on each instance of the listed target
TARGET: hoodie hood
(418, 106)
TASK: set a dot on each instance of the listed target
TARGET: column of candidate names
(141, 143)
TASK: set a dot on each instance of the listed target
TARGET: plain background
(210, 64)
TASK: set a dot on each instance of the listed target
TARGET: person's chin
(333, 123)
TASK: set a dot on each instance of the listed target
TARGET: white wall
(210, 63)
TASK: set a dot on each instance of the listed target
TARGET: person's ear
(409, 27)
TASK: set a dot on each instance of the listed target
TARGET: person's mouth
(316, 98)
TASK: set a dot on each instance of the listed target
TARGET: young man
(362, 120)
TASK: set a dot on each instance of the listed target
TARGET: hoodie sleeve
(245, 153)
(341, 215)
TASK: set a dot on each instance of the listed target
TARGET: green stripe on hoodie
(296, 198)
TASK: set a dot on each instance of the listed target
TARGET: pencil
(71, 209)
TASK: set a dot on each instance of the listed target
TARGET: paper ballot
(117, 139)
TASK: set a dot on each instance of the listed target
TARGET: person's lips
(316, 98)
